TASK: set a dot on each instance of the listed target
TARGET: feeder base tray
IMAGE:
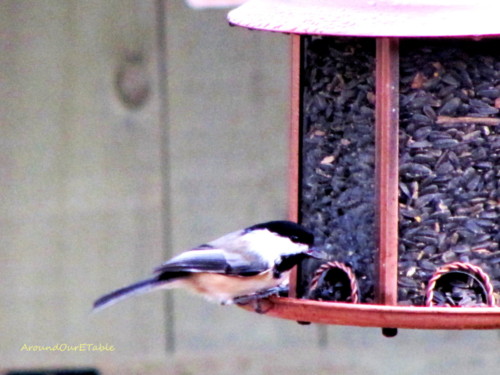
(370, 315)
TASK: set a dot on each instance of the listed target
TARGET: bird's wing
(228, 255)
(213, 261)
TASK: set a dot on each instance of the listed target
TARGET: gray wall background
(94, 194)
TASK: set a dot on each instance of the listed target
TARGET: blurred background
(130, 131)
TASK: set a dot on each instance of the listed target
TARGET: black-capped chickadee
(241, 266)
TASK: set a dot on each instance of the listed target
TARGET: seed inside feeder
(338, 152)
(449, 163)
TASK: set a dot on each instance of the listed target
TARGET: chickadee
(241, 266)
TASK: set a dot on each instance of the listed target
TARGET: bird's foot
(255, 299)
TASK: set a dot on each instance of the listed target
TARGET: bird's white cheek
(271, 246)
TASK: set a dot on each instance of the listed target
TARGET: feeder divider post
(386, 166)
(294, 144)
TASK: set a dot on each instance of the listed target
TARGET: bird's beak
(315, 253)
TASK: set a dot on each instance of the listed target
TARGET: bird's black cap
(296, 232)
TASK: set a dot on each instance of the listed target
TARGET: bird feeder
(395, 159)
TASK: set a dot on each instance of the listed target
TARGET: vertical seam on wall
(161, 40)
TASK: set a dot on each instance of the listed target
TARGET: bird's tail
(140, 287)
(165, 279)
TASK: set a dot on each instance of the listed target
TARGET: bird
(239, 267)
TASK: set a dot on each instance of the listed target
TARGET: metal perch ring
(323, 270)
(473, 272)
